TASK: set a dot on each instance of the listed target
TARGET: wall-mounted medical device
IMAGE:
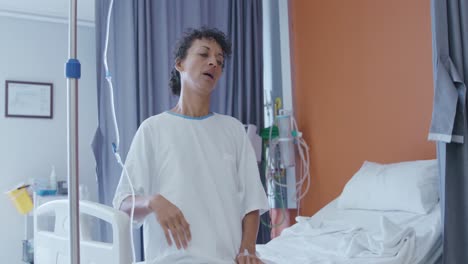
(285, 139)
(287, 157)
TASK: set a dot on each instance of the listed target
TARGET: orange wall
(362, 73)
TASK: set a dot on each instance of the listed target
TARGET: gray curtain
(143, 34)
(449, 121)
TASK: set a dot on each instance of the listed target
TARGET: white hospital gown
(207, 168)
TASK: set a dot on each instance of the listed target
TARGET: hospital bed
(330, 236)
(385, 215)
(51, 242)
(301, 243)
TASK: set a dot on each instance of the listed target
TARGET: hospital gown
(207, 168)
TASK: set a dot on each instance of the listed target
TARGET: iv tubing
(116, 145)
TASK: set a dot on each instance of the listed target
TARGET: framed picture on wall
(28, 99)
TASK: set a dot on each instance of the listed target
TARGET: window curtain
(143, 34)
(449, 121)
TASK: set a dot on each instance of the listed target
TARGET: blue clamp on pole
(73, 69)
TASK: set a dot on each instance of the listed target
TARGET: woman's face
(202, 67)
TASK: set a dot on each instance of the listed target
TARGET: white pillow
(411, 186)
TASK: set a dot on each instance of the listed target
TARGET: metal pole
(73, 73)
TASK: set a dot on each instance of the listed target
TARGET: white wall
(33, 50)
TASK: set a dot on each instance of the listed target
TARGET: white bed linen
(335, 236)
(434, 255)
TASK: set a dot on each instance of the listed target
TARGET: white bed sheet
(434, 255)
(321, 247)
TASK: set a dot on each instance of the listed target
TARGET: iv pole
(73, 73)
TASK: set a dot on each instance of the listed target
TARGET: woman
(193, 170)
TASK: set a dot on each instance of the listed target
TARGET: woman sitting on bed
(195, 173)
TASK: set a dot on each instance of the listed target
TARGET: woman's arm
(142, 208)
(247, 249)
(168, 215)
(249, 232)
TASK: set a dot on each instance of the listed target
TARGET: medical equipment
(43, 186)
(116, 144)
(73, 73)
(53, 180)
(21, 199)
(288, 136)
(62, 188)
(281, 157)
(285, 139)
(28, 251)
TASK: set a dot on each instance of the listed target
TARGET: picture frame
(28, 99)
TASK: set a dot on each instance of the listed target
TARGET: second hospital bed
(335, 236)
(386, 214)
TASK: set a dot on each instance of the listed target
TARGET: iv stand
(73, 73)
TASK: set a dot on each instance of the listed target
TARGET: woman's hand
(171, 220)
(246, 258)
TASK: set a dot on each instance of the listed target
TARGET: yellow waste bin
(21, 199)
